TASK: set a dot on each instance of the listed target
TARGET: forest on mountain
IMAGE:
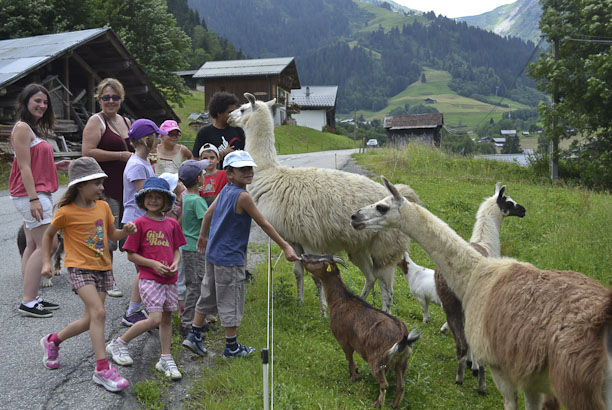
(369, 66)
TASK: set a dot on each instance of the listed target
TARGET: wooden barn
(70, 65)
(402, 129)
(265, 78)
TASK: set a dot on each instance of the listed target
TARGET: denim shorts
(22, 203)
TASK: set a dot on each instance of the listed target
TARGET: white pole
(264, 352)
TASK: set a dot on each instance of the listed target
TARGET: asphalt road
(25, 383)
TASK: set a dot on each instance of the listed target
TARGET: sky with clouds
(454, 8)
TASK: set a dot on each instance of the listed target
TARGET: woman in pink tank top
(32, 180)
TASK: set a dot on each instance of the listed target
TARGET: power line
(513, 82)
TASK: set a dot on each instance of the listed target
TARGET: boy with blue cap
(223, 288)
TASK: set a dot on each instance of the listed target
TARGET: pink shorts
(158, 297)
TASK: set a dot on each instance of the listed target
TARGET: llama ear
(271, 103)
(250, 98)
(396, 195)
(497, 187)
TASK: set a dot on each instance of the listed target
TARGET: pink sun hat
(169, 125)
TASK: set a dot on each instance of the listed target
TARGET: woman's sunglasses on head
(107, 98)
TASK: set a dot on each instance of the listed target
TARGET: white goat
(545, 332)
(309, 207)
(422, 285)
(485, 239)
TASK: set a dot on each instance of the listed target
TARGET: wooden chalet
(265, 78)
(402, 129)
(70, 65)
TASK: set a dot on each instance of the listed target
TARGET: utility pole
(554, 140)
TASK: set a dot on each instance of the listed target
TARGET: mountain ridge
(519, 19)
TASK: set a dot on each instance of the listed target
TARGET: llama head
(322, 266)
(241, 115)
(507, 205)
(383, 214)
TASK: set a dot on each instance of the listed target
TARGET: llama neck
(486, 229)
(259, 139)
(453, 256)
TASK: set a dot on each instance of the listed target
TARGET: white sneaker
(120, 353)
(169, 368)
(110, 379)
(115, 292)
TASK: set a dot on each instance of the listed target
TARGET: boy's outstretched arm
(246, 204)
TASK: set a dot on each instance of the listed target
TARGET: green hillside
(385, 18)
(457, 110)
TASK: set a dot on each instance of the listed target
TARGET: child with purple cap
(143, 136)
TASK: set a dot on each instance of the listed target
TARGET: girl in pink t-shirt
(154, 249)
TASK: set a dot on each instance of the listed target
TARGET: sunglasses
(107, 98)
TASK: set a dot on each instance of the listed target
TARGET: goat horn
(339, 260)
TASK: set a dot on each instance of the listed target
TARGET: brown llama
(543, 332)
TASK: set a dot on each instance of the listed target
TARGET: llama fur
(380, 339)
(544, 332)
(310, 207)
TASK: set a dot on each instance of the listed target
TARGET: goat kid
(422, 286)
(545, 332)
(381, 339)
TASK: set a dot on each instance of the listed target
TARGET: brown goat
(381, 339)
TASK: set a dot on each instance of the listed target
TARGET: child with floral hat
(154, 249)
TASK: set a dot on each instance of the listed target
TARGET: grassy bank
(564, 229)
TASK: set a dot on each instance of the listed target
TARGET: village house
(70, 65)
(402, 129)
(265, 78)
(317, 106)
(507, 133)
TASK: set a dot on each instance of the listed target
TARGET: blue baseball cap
(238, 159)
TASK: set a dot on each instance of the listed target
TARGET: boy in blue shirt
(223, 287)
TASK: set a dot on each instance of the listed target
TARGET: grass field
(458, 111)
(385, 18)
(564, 228)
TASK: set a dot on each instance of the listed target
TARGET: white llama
(309, 206)
(545, 332)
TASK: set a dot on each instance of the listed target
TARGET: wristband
(35, 199)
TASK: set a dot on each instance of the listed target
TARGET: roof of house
(20, 56)
(102, 54)
(241, 68)
(317, 96)
(507, 132)
(401, 122)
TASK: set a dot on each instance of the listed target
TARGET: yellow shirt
(85, 235)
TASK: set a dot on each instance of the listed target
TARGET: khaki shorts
(22, 203)
(222, 292)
